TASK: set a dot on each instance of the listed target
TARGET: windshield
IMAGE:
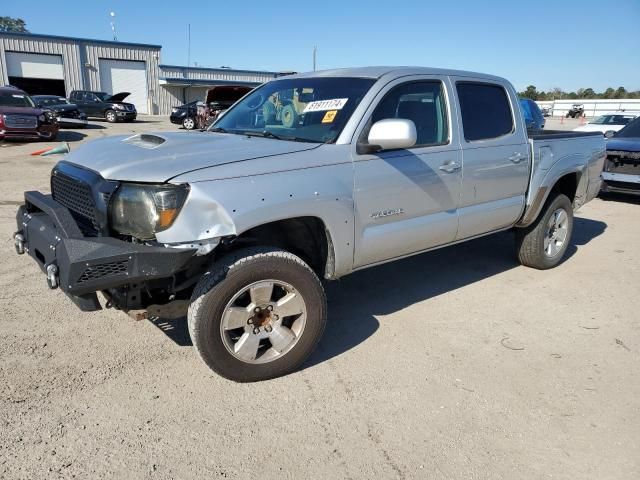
(102, 95)
(612, 120)
(302, 109)
(631, 130)
(48, 101)
(10, 99)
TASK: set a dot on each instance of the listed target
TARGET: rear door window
(485, 109)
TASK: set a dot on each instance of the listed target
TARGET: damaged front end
(621, 172)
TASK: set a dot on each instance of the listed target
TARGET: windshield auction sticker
(322, 105)
(329, 116)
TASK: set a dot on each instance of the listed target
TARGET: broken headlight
(143, 210)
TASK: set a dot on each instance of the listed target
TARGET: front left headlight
(142, 210)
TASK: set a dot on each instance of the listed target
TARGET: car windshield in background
(47, 102)
(300, 109)
(632, 130)
(8, 99)
(102, 95)
(612, 120)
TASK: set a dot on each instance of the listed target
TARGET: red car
(21, 119)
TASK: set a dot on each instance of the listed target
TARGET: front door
(406, 200)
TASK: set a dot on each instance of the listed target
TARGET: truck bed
(555, 153)
(557, 134)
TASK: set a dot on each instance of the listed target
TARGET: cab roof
(390, 71)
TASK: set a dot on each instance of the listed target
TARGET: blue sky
(563, 43)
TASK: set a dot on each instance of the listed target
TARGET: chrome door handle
(516, 157)
(450, 167)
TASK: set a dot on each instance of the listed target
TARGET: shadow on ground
(356, 300)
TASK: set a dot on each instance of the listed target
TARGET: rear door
(495, 153)
(406, 200)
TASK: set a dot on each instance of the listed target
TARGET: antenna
(315, 49)
(113, 26)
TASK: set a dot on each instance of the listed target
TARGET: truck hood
(160, 157)
(630, 144)
(117, 97)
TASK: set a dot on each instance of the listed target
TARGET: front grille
(20, 121)
(78, 198)
(94, 272)
(628, 166)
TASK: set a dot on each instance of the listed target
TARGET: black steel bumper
(82, 266)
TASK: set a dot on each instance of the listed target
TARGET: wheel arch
(568, 182)
(305, 236)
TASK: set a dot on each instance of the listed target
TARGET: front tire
(111, 116)
(189, 123)
(258, 313)
(543, 244)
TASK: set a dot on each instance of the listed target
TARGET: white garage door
(33, 65)
(125, 76)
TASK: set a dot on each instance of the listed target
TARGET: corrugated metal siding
(172, 95)
(215, 74)
(68, 50)
(76, 53)
(94, 52)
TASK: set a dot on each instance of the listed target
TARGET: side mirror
(390, 134)
(609, 134)
(97, 100)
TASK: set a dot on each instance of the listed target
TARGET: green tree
(609, 93)
(530, 92)
(9, 24)
(621, 92)
(587, 93)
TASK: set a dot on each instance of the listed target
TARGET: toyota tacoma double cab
(362, 166)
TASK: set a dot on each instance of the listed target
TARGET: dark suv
(21, 119)
(102, 105)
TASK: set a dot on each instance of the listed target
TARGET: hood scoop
(145, 140)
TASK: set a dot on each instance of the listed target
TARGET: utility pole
(315, 49)
(189, 45)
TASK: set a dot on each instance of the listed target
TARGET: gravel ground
(453, 364)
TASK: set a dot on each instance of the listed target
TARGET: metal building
(56, 65)
(188, 84)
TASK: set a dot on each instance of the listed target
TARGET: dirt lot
(454, 364)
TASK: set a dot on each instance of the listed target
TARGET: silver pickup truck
(308, 177)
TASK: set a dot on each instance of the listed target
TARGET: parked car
(576, 111)
(102, 105)
(607, 124)
(201, 114)
(217, 100)
(533, 118)
(67, 114)
(622, 169)
(360, 167)
(20, 118)
(184, 115)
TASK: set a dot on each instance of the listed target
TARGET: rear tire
(225, 295)
(111, 116)
(543, 244)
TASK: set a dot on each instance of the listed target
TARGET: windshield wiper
(218, 130)
(269, 134)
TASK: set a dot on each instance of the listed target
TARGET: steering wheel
(255, 102)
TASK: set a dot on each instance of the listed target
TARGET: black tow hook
(52, 276)
(18, 240)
